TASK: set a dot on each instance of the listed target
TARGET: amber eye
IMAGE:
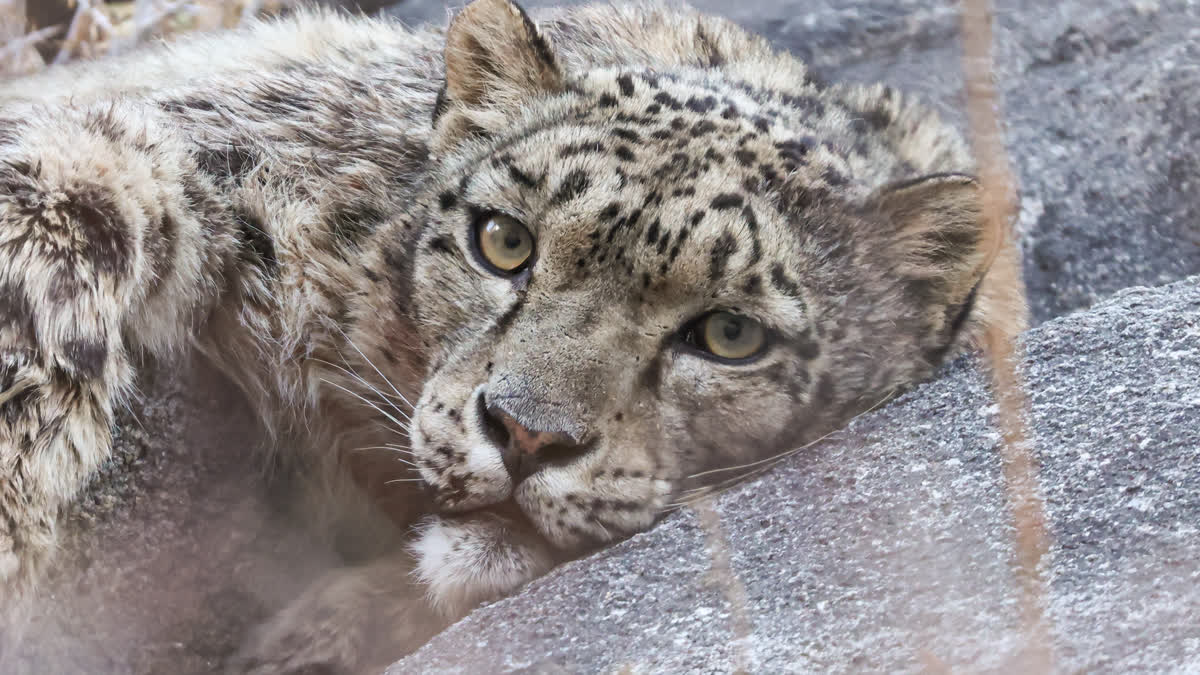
(504, 243)
(729, 336)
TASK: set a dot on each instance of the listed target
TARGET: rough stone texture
(890, 539)
(894, 537)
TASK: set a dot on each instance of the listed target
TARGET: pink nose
(524, 451)
(522, 440)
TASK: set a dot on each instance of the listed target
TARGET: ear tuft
(495, 55)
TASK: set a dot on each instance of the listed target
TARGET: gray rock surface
(893, 539)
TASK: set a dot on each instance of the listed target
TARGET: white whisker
(380, 447)
(381, 411)
(361, 380)
(693, 495)
(788, 453)
(372, 364)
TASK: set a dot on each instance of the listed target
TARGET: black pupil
(512, 240)
(733, 329)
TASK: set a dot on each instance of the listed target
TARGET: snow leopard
(558, 270)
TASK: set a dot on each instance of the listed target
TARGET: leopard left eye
(504, 243)
(727, 336)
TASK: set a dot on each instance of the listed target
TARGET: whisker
(603, 529)
(405, 480)
(360, 379)
(757, 468)
(404, 430)
(380, 447)
(372, 364)
(364, 400)
(788, 453)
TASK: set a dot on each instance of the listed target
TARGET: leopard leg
(362, 619)
(110, 241)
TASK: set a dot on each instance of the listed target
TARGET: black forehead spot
(752, 226)
(703, 128)
(607, 101)
(625, 82)
(627, 134)
(625, 153)
(589, 147)
(652, 233)
(447, 200)
(523, 178)
(728, 200)
(611, 211)
(665, 99)
(783, 283)
(574, 184)
(725, 247)
(701, 105)
(795, 151)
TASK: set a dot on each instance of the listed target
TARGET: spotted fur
(303, 202)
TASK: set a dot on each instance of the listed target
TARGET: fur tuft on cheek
(463, 561)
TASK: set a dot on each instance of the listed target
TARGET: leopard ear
(936, 228)
(496, 60)
(936, 244)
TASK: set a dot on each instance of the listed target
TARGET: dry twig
(999, 210)
(723, 576)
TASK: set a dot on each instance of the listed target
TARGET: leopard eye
(504, 243)
(729, 336)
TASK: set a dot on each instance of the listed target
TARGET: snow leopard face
(631, 283)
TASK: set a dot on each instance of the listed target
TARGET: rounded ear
(496, 59)
(937, 231)
(937, 243)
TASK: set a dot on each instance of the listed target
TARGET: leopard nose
(525, 448)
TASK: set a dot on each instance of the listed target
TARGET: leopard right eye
(503, 243)
(729, 337)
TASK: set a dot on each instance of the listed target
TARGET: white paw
(466, 560)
